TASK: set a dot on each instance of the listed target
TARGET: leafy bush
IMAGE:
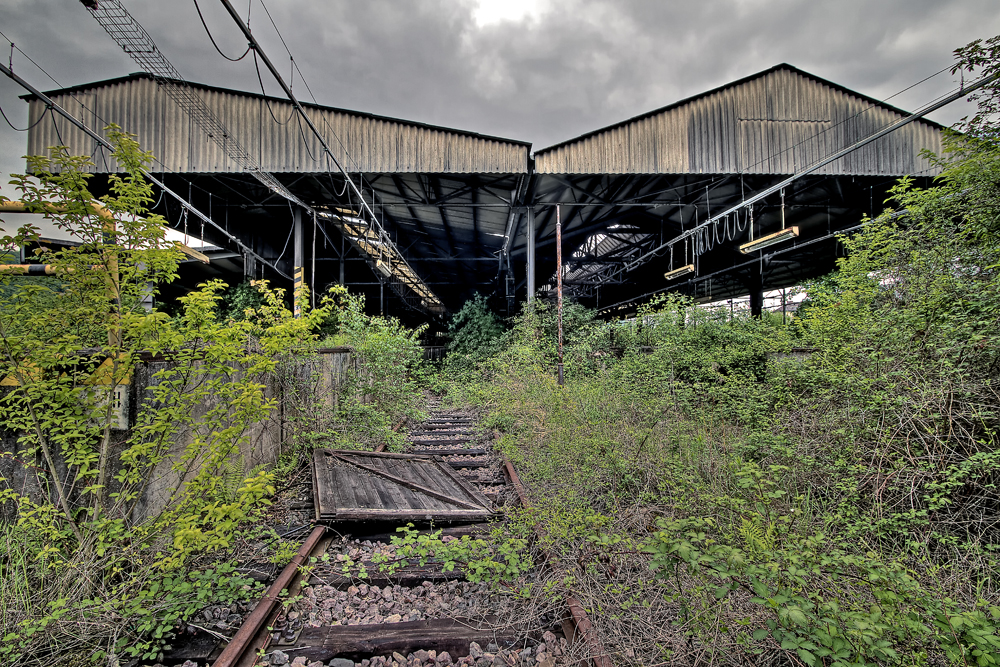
(828, 510)
(474, 330)
(107, 581)
(380, 392)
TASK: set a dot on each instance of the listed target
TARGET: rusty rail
(582, 625)
(254, 635)
(256, 621)
(381, 447)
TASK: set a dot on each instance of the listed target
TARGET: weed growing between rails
(89, 569)
(713, 501)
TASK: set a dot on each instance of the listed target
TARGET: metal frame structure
(445, 233)
(373, 241)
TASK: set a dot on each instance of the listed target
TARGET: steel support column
(343, 259)
(756, 288)
(298, 271)
(530, 243)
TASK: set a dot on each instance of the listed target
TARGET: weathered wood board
(363, 641)
(378, 486)
(439, 442)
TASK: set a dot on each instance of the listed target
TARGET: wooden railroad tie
(357, 642)
(443, 441)
(450, 452)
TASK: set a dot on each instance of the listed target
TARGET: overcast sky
(540, 71)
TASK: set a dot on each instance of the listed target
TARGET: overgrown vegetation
(709, 496)
(103, 558)
(713, 498)
(375, 387)
(113, 536)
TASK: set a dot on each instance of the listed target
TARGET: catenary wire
(212, 39)
(18, 129)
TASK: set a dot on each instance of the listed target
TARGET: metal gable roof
(774, 121)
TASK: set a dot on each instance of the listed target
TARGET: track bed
(352, 611)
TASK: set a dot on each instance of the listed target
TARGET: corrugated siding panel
(360, 143)
(777, 124)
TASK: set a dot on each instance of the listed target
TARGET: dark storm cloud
(570, 67)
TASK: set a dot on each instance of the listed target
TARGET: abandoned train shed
(446, 213)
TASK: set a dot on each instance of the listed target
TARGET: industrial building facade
(471, 213)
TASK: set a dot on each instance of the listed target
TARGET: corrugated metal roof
(775, 122)
(365, 142)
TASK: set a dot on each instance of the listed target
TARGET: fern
(234, 475)
(756, 538)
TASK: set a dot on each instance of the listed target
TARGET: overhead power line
(137, 43)
(376, 231)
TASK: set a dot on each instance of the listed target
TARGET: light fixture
(384, 268)
(770, 239)
(677, 273)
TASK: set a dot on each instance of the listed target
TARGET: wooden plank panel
(325, 496)
(436, 483)
(367, 491)
(388, 495)
(406, 498)
(421, 475)
(471, 491)
(458, 485)
(381, 486)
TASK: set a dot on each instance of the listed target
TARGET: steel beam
(298, 268)
(529, 241)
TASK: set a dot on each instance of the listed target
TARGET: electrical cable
(212, 39)
(58, 133)
(264, 94)
(347, 153)
(288, 51)
(17, 129)
(333, 186)
(305, 144)
(290, 232)
(146, 172)
(98, 117)
(13, 46)
(306, 83)
(935, 104)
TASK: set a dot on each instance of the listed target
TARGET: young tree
(108, 575)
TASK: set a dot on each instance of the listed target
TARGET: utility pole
(298, 270)
(559, 305)
(530, 245)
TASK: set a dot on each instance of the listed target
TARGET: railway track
(346, 610)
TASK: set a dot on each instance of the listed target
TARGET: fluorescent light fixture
(769, 240)
(677, 273)
(383, 268)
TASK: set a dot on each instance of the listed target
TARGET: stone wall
(320, 378)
